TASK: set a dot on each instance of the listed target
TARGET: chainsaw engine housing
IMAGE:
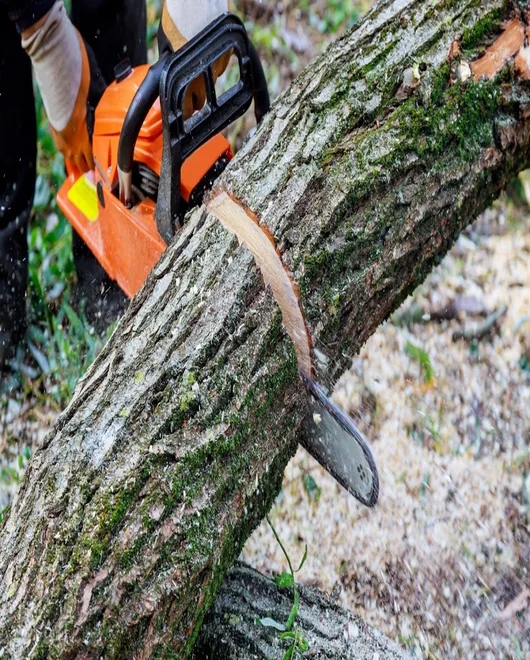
(125, 240)
(186, 155)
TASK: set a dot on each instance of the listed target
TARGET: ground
(440, 564)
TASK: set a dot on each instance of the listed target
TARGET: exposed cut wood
(502, 50)
(261, 243)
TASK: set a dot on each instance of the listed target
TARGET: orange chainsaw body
(125, 240)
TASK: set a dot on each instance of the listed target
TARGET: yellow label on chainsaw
(84, 197)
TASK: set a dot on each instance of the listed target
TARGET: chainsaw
(155, 161)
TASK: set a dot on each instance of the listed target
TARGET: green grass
(60, 343)
(422, 357)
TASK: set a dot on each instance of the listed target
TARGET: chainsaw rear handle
(169, 79)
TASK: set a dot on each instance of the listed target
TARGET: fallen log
(230, 629)
(174, 444)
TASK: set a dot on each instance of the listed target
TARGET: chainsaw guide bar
(331, 437)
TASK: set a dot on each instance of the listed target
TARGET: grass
(60, 343)
(296, 642)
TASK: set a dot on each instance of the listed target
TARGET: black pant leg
(18, 156)
(115, 29)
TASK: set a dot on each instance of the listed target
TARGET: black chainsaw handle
(142, 102)
(262, 102)
(149, 90)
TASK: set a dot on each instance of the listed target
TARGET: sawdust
(441, 564)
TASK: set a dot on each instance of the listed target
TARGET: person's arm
(63, 73)
(183, 19)
(67, 74)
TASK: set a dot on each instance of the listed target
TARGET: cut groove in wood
(238, 220)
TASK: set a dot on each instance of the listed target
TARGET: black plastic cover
(182, 137)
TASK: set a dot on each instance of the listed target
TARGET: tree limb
(231, 630)
(173, 447)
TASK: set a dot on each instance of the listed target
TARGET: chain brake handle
(169, 78)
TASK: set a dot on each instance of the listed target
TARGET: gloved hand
(68, 80)
(181, 21)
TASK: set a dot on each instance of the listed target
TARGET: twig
(480, 330)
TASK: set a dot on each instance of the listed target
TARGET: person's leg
(115, 29)
(18, 155)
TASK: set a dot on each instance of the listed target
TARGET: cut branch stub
(510, 43)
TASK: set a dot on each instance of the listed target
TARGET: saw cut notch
(239, 221)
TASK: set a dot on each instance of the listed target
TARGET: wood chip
(518, 604)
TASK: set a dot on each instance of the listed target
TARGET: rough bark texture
(230, 629)
(174, 444)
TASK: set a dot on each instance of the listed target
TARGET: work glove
(181, 21)
(69, 81)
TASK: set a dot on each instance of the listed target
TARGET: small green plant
(297, 641)
(419, 354)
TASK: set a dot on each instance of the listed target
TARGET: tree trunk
(173, 447)
(230, 629)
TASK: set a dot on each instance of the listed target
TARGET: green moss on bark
(483, 28)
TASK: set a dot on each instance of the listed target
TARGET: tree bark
(230, 629)
(174, 444)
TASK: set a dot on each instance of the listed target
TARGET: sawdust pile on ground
(441, 564)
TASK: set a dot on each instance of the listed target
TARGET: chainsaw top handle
(169, 78)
